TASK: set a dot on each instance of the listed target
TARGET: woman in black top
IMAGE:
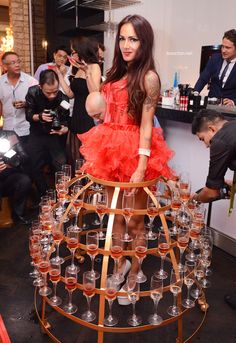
(87, 78)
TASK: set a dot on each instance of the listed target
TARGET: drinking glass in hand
(176, 282)
(152, 212)
(70, 285)
(89, 291)
(140, 247)
(189, 281)
(116, 254)
(55, 275)
(101, 209)
(128, 210)
(110, 294)
(156, 289)
(163, 248)
(72, 240)
(92, 249)
(133, 290)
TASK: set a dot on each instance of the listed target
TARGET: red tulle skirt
(111, 152)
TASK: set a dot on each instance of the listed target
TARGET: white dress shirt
(14, 119)
(231, 65)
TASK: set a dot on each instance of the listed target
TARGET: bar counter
(192, 156)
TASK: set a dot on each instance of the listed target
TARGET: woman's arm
(66, 88)
(152, 87)
(93, 77)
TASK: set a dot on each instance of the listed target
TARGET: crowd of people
(46, 118)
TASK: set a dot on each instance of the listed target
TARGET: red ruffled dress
(111, 149)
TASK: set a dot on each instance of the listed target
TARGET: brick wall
(19, 22)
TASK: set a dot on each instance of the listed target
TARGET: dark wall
(61, 24)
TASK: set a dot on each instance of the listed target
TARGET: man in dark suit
(220, 71)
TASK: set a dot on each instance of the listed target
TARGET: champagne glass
(140, 247)
(175, 206)
(55, 276)
(52, 196)
(116, 254)
(89, 291)
(66, 168)
(78, 202)
(78, 164)
(57, 234)
(199, 275)
(194, 235)
(152, 212)
(205, 262)
(156, 294)
(110, 295)
(70, 285)
(37, 257)
(182, 242)
(59, 179)
(44, 265)
(176, 282)
(92, 249)
(101, 209)
(72, 240)
(128, 210)
(133, 290)
(163, 248)
(62, 192)
(189, 281)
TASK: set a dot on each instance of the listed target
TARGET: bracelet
(145, 152)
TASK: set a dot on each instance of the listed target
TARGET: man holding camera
(14, 183)
(47, 111)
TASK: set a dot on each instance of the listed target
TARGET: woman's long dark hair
(86, 49)
(136, 70)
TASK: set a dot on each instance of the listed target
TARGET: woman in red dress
(126, 147)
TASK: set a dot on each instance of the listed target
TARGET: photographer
(47, 112)
(13, 181)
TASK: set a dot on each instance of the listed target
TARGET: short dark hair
(48, 76)
(8, 53)
(61, 47)
(204, 117)
(231, 35)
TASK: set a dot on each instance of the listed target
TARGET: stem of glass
(110, 302)
(55, 289)
(70, 298)
(188, 293)
(72, 258)
(162, 264)
(155, 306)
(174, 300)
(134, 312)
(89, 303)
(151, 220)
(92, 260)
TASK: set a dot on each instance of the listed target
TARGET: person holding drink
(128, 148)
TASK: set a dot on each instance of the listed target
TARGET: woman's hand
(138, 176)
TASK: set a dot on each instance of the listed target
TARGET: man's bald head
(96, 105)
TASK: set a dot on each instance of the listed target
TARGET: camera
(55, 114)
(8, 155)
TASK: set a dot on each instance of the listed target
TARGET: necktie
(224, 71)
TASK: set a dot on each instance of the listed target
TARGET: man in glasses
(14, 85)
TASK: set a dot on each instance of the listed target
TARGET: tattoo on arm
(153, 91)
